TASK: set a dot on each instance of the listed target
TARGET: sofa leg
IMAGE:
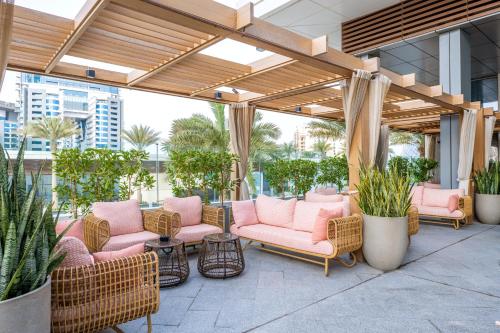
(326, 267)
(456, 224)
(150, 327)
(116, 329)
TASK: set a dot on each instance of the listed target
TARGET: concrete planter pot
(385, 241)
(488, 208)
(28, 313)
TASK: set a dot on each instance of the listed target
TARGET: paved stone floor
(450, 282)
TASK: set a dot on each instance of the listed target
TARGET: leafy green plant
(223, 166)
(134, 175)
(333, 170)
(421, 169)
(383, 193)
(400, 164)
(302, 173)
(27, 232)
(277, 174)
(180, 172)
(488, 180)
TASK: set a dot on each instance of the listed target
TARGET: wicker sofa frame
(464, 206)
(91, 298)
(97, 233)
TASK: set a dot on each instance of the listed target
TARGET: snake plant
(384, 193)
(27, 231)
(488, 180)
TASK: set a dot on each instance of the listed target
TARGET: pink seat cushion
(76, 229)
(320, 229)
(453, 202)
(439, 211)
(319, 197)
(438, 197)
(190, 209)
(299, 240)
(326, 190)
(306, 213)
(431, 185)
(416, 195)
(274, 211)
(121, 242)
(124, 217)
(195, 233)
(244, 213)
(77, 253)
(126, 252)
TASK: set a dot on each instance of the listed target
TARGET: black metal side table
(221, 256)
(172, 261)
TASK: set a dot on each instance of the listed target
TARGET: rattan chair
(94, 297)
(97, 233)
(413, 221)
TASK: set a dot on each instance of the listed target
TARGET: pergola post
(6, 22)
(479, 153)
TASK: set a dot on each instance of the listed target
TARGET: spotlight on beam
(218, 95)
(90, 73)
(298, 109)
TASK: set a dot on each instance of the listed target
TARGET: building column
(455, 78)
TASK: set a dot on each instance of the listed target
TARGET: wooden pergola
(161, 40)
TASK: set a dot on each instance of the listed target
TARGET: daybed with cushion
(93, 292)
(316, 229)
(196, 220)
(442, 206)
(117, 225)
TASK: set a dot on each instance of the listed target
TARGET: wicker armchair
(413, 223)
(93, 297)
(97, 233)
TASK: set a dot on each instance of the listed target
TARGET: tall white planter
(385, 241)
(28, 313)
(488, 208)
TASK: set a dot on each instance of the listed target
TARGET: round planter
(28, 313)
(488, 208)
(385, 241)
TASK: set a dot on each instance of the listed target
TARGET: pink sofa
(288, 225)
(442, 206)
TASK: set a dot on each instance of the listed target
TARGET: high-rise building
(96, 109)
(8, 125)
(305, 142)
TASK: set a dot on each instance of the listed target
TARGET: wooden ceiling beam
(83, 20)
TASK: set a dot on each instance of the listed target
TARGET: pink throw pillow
(305, 213)
(319, 197)
(76, 229)
(453, 202)
(124, 217)
(190, 209)
(273, 211)
(127, 252)
(320, 231)
(244, 213)
(77, 253)
(439, 197)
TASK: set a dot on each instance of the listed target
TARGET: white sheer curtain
(466, 149)
(241, 117)
(430, 146)
(489, 127)
(383, 147)
(353, 96)
(6, 19)
(379, 86)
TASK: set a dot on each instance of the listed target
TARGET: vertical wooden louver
(410, 18)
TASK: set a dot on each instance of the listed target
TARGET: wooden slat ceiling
(161, 40)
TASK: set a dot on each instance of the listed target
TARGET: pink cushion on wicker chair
(195, 233)
(440, 211)
(453, 202)
(126, 252)
(76, 229)
(124, 217)
(274, 211)
(306, 213)
(189, 209)
(77, 253)
(121, 242)
(320, 197)
(439, 197)
(320, 229)
(244, 213)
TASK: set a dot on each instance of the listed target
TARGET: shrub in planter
(421, 169)
(384, 199)
(487, 198)
(302, 174)
(277, 174)
(333, 170)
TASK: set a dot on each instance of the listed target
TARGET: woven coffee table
(172, 261)
(221, 256)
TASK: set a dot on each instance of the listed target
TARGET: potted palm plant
(27, 254)
(487, 197)
(384, 199)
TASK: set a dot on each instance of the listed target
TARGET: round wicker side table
(221, 256)
(173, 265)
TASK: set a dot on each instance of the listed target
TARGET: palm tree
(407, 138)
(52, 129)
(326, 129)
(288, 150)
(322, 147)
(141, 137)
